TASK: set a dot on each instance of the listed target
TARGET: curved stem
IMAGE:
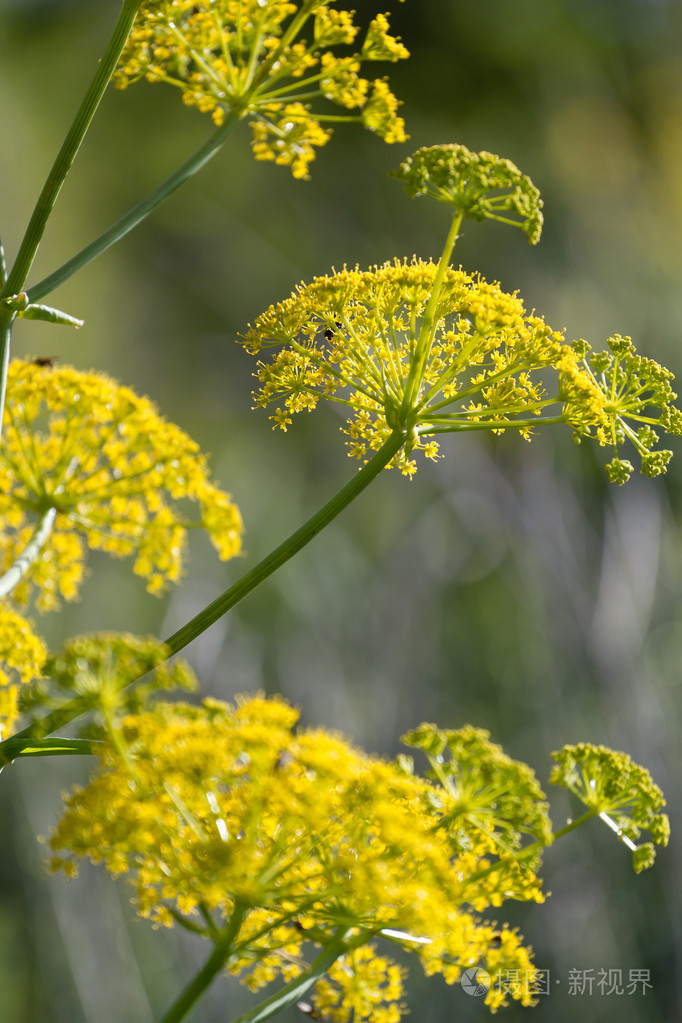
(247, 583)
(134, 216)
(70, 147)
(291, 546)
(211, 967)
(33, 548)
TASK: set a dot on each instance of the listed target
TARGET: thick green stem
(134, 216)
(15, 573)
(213, 965)
(248, 582)
(291, 546)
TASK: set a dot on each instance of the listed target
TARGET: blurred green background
(507, 585)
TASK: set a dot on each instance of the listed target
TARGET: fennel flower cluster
(112, 469)
(482, 186)
(632, 385)
(250, 58)
(400, 348)
(97, 668)
(229, 820)
(353, 338)
(22, 657)
(619, 791)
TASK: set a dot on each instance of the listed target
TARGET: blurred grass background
(507, 586)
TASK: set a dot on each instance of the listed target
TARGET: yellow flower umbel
(622, 793)
(22, 656)
(415, 349)
(97, 669)
(482, 186)
(270, 841)
(631, 386)
(354, 338)
(103, 461)
(249, 58)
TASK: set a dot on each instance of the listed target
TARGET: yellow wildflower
(380, 45)
(113, 470)
(490, 805)
(628, 386)
(361, 985)
(375, 342)
(22, 656)
(98, 667)
(352, 338)
(249, 59)
(483, 186)
(379, 114)
(620, 791)
(230, 821)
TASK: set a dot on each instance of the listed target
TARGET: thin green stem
(295, 989)
(572, 825)
(70, 147)
(291, 546)
(211, 967)
(15, 573)
(134, 216)
(535, 846)
(187, 924)
(425, 338)
(15, 747)
(36, 226)
(492, 424)
(6, 321)
(248, 582)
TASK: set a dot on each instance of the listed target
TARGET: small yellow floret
(296, 836)
(112, 468)
(351, 338)
(22, 656)
(249, 59)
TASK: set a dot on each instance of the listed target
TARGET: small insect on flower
(309, 1010)
(45, 361)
